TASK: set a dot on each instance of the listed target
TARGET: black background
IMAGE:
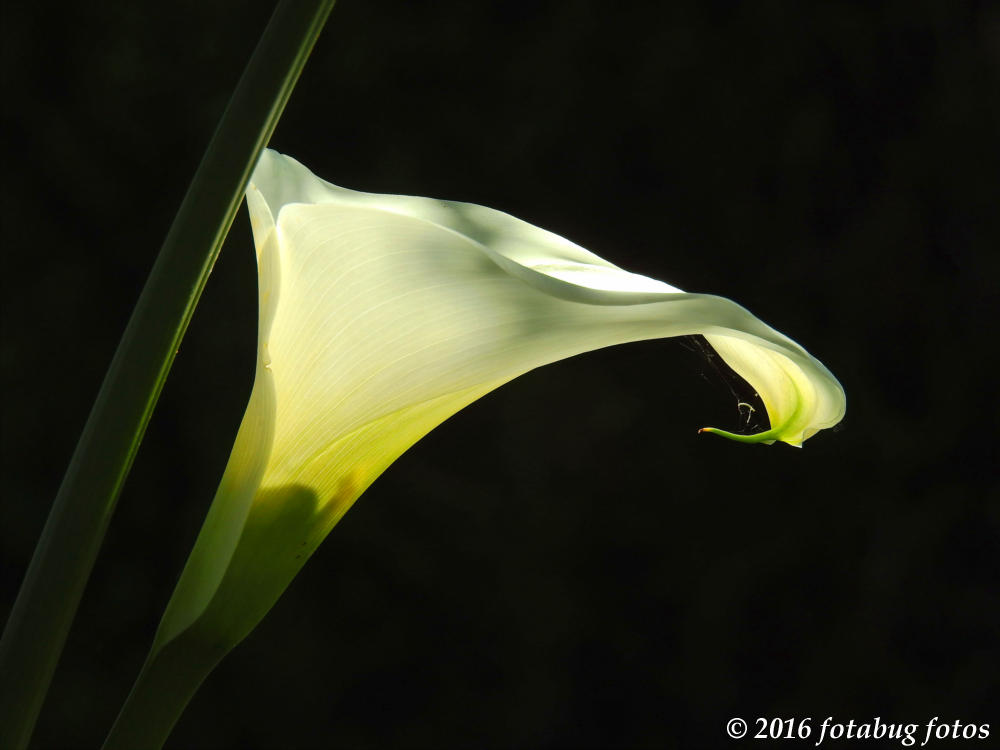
(565, 563)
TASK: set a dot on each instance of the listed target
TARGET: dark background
(565, 563)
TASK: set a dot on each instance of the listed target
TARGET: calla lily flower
(383, 315)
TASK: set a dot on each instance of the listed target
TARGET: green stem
(46, 604)
(167, 682)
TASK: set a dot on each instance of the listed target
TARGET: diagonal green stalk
(161, 692)
(47, 602)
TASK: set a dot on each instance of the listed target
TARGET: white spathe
(381, 316)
